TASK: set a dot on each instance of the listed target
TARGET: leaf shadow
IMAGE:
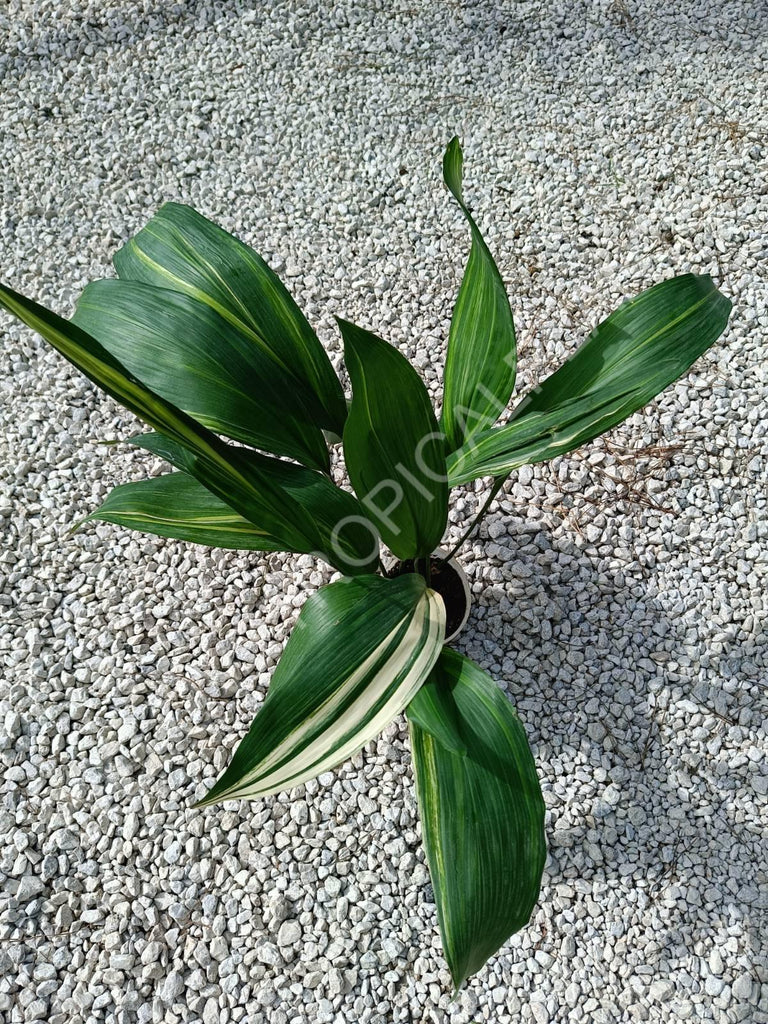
(638, 730)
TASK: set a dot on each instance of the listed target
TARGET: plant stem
(498, 484)
(428, 569)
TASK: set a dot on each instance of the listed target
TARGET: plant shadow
(640, 734)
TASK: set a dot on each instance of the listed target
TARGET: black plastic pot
(450, 582)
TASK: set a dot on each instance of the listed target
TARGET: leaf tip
(453, 163)
(80, 523)
(205, 801)
(349, 332)
(458, 981)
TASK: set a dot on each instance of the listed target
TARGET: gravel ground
(620, 593)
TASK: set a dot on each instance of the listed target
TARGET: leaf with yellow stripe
(339, 522)
(190, 355)
(482, 355)
(358, 653)
(243, 479)
(175, 505)
(433, 709)
(482, 816)
(184, 251)
(629, 358)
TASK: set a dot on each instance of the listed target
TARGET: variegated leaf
(175, 505)
(359, 652)
(392, 446)
(187, 352)
(184, 251)
(433, 709)
(482, 816)
(482, 353)
(245, 480)
(628, 359)
(341, 527)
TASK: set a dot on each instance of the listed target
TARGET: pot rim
(459, 570)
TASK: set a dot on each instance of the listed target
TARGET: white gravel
(621, 594)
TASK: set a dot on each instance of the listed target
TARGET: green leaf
(482, 818)
(184, 351)
(392, 446)
(340, 524)
(244, 480)
(538, 436)
(176, 505)
(182, 250)
(482, 356)
(627, 360)
(433, 709)
(358, 653)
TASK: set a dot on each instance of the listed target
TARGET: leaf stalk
(498, 484)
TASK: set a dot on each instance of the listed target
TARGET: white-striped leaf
(175, 505)
(627, 360)
(247, 481)
(482, 354)
(187, 352)
(359, 652)
(482, 816)
(184, 251)
(343, 534)
(539, 435)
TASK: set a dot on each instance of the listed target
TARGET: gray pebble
(172, 987)
(267, 953)
(289, 934)
(29, 887)
(742, 987)
(661, 990)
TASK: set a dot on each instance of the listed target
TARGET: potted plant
(201, 341)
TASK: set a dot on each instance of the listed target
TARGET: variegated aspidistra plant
(200, 340)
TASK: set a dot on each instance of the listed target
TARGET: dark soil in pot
(445, 579)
